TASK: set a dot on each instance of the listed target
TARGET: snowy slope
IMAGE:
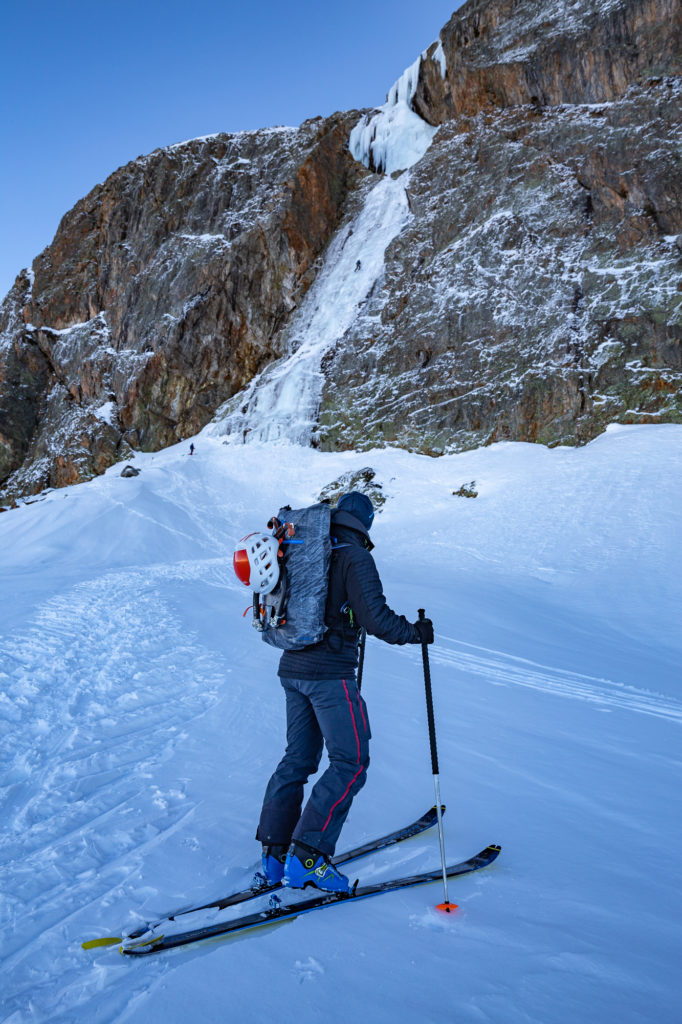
(140, 718)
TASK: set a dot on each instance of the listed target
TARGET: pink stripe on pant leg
(358, 772)
(355, 728)
(360, 769)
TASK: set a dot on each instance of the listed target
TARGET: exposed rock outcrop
(363, 480)
(510, 53)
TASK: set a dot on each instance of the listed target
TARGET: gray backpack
(292, 616)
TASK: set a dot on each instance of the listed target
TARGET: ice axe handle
(429, 701)
(361, 656)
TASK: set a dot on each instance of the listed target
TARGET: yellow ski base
(109, 940)
(114, 940)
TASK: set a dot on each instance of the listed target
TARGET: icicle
(396, 137)
(439, 55)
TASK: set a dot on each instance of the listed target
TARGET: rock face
(533, 295)
(536, 293)
(509, 53)
(163, 293)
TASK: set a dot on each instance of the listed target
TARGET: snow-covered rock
(163, 292)
(534, 294)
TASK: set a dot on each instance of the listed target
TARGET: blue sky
(88, 86)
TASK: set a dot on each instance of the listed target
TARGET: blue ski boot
(306, 866)
(272, 866)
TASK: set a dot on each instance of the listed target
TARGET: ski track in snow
(506, 669)
(83, 731)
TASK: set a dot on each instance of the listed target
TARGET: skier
(323, 705)
(191, 448)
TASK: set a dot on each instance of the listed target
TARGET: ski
(426, 821)
(285, 911)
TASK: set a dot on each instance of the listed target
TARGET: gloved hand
(425, 629)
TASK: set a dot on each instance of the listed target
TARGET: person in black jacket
(324, 707)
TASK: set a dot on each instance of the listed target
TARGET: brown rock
(505, 53)
(162, 295)
(534, 295)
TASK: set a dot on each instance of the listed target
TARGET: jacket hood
(346, 521)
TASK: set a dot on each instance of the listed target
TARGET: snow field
(140, 718)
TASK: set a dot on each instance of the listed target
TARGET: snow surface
(282, 402)
(141, 717)
(97, 320)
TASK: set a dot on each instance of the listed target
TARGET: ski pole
(361, 661)
(446, 906)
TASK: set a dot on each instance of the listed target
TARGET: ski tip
(108, 940)
(447, 908)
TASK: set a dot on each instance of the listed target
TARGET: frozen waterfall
(282, 401)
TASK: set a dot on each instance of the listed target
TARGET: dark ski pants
(319, 711)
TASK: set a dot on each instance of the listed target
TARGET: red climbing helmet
(255, 562)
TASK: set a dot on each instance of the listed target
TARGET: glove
(425, 629)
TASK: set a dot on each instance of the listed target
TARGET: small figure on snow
(191, 448)
(358, 265)
(324, 707)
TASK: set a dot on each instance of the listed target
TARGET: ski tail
(427, 821)
(107, 940)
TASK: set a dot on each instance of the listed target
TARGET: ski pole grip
(429, 700)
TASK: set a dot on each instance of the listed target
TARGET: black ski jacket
(355, 598)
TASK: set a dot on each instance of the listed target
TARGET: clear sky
(86, 87)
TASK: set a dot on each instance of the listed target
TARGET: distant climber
(191, 448)
(357, 266)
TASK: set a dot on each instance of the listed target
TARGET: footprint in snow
(308, 970)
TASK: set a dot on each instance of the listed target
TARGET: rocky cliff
(532, 293)
(509, 53)
(536, 294)
(163, 294)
